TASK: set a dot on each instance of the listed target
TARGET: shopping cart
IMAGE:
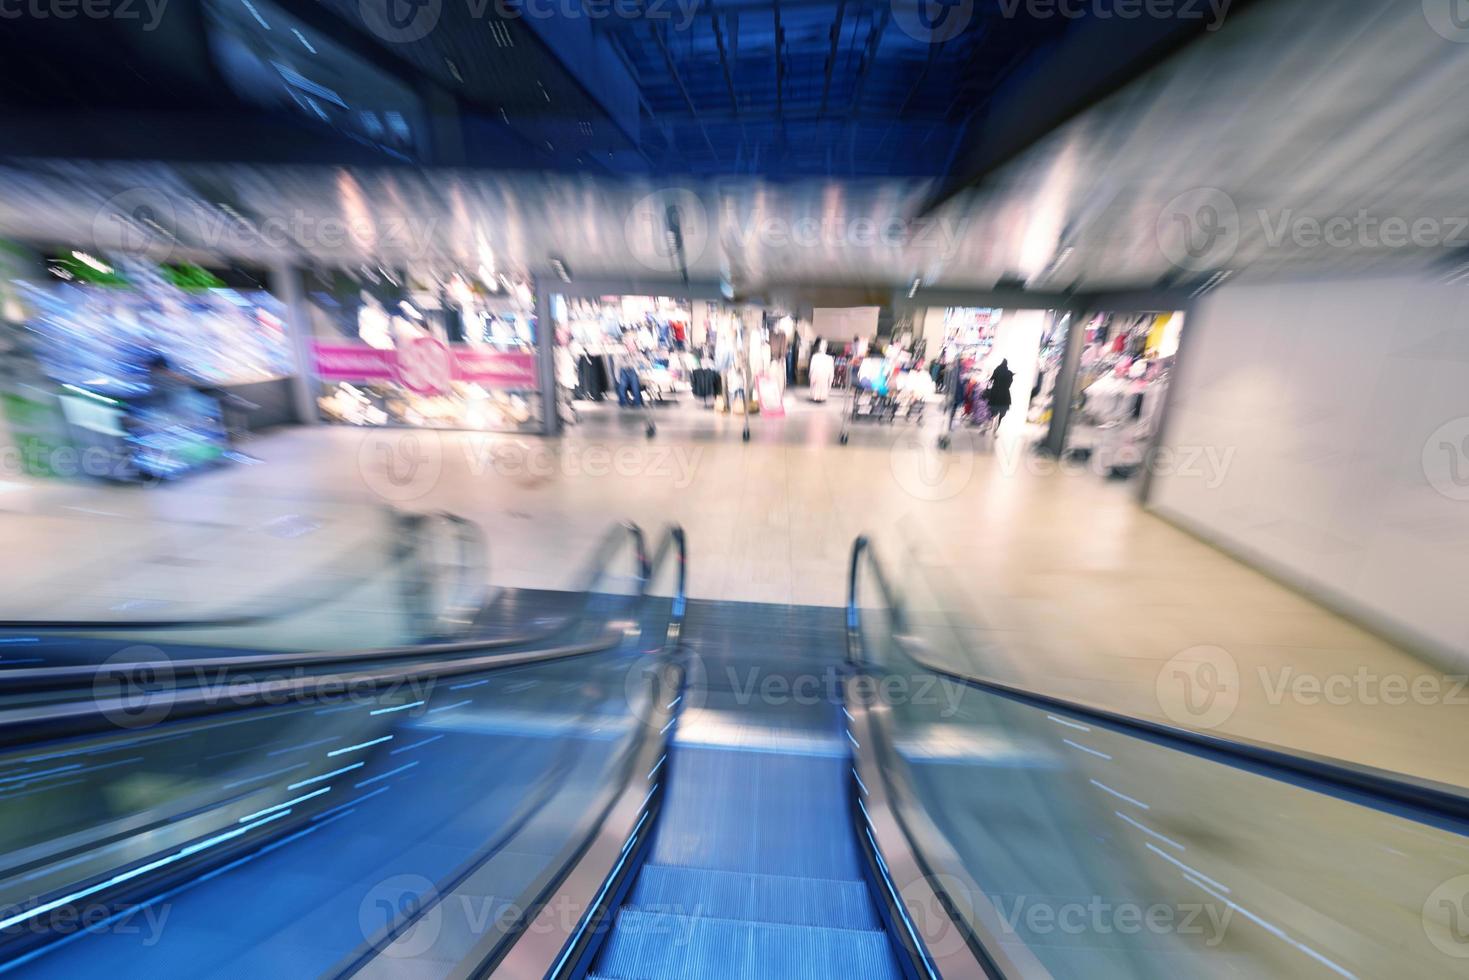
(965, 408)
(866, 404)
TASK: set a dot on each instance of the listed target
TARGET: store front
(631, 351)
(973, 342)
(140, 371)
(645, 352)
(435, 351)
(1125, 368)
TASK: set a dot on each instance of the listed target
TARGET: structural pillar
(546, 355)
(1065, 394)
(291, 291)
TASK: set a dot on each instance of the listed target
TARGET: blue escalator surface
(754, 870)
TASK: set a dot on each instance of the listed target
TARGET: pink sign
(496, 369)
(354, 362)
(426, 366)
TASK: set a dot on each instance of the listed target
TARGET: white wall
(933, 327)
(844, 323)
(1333, 396)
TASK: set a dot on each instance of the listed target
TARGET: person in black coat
(998, 393)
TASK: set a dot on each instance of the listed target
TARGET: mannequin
(822, 368)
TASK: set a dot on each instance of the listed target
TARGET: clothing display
(633, 346)
(705, 383)
(593, 377)
(1121, 383)
(822, 371)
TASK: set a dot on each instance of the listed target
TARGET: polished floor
(1067, 583)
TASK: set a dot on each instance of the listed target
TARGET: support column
(1160, 432)
(1065, 393)
(289, 288)
(546, 354)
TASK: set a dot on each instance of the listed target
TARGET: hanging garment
(770, 396)
(591, 377)
(778, 343)
(705, 382)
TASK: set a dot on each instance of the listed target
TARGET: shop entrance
(1125, 368)
(998, 368)
(662, 354)
(452, 351)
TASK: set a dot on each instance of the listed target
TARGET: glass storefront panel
(447, 353)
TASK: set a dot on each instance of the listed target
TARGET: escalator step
(763, 812)
(657, 946)
(757, 898)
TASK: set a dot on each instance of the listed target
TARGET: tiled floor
(1071, 586)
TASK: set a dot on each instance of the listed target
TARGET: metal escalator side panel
(941, 918)
(560, 926)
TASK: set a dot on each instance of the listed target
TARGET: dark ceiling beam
(1096, 58)
(902, 113)
(831, 56)
(869, 56)
(780, 74)
(678, 80)
(734, 102)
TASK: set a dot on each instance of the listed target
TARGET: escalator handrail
(402, 549)
(474, 571)
(528, 962)
(97, 714)
(673, 539)
(70, 675)
(607, 549)
(23, 725)
(42, 678)
(1335, 776)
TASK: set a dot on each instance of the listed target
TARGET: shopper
(998, 393)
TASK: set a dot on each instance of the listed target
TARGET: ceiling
(779, 89)
(795, 87)
(1283, 117)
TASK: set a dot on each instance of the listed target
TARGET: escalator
(341, 801)
(754, 870)
(444, 609)
(727, 790)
